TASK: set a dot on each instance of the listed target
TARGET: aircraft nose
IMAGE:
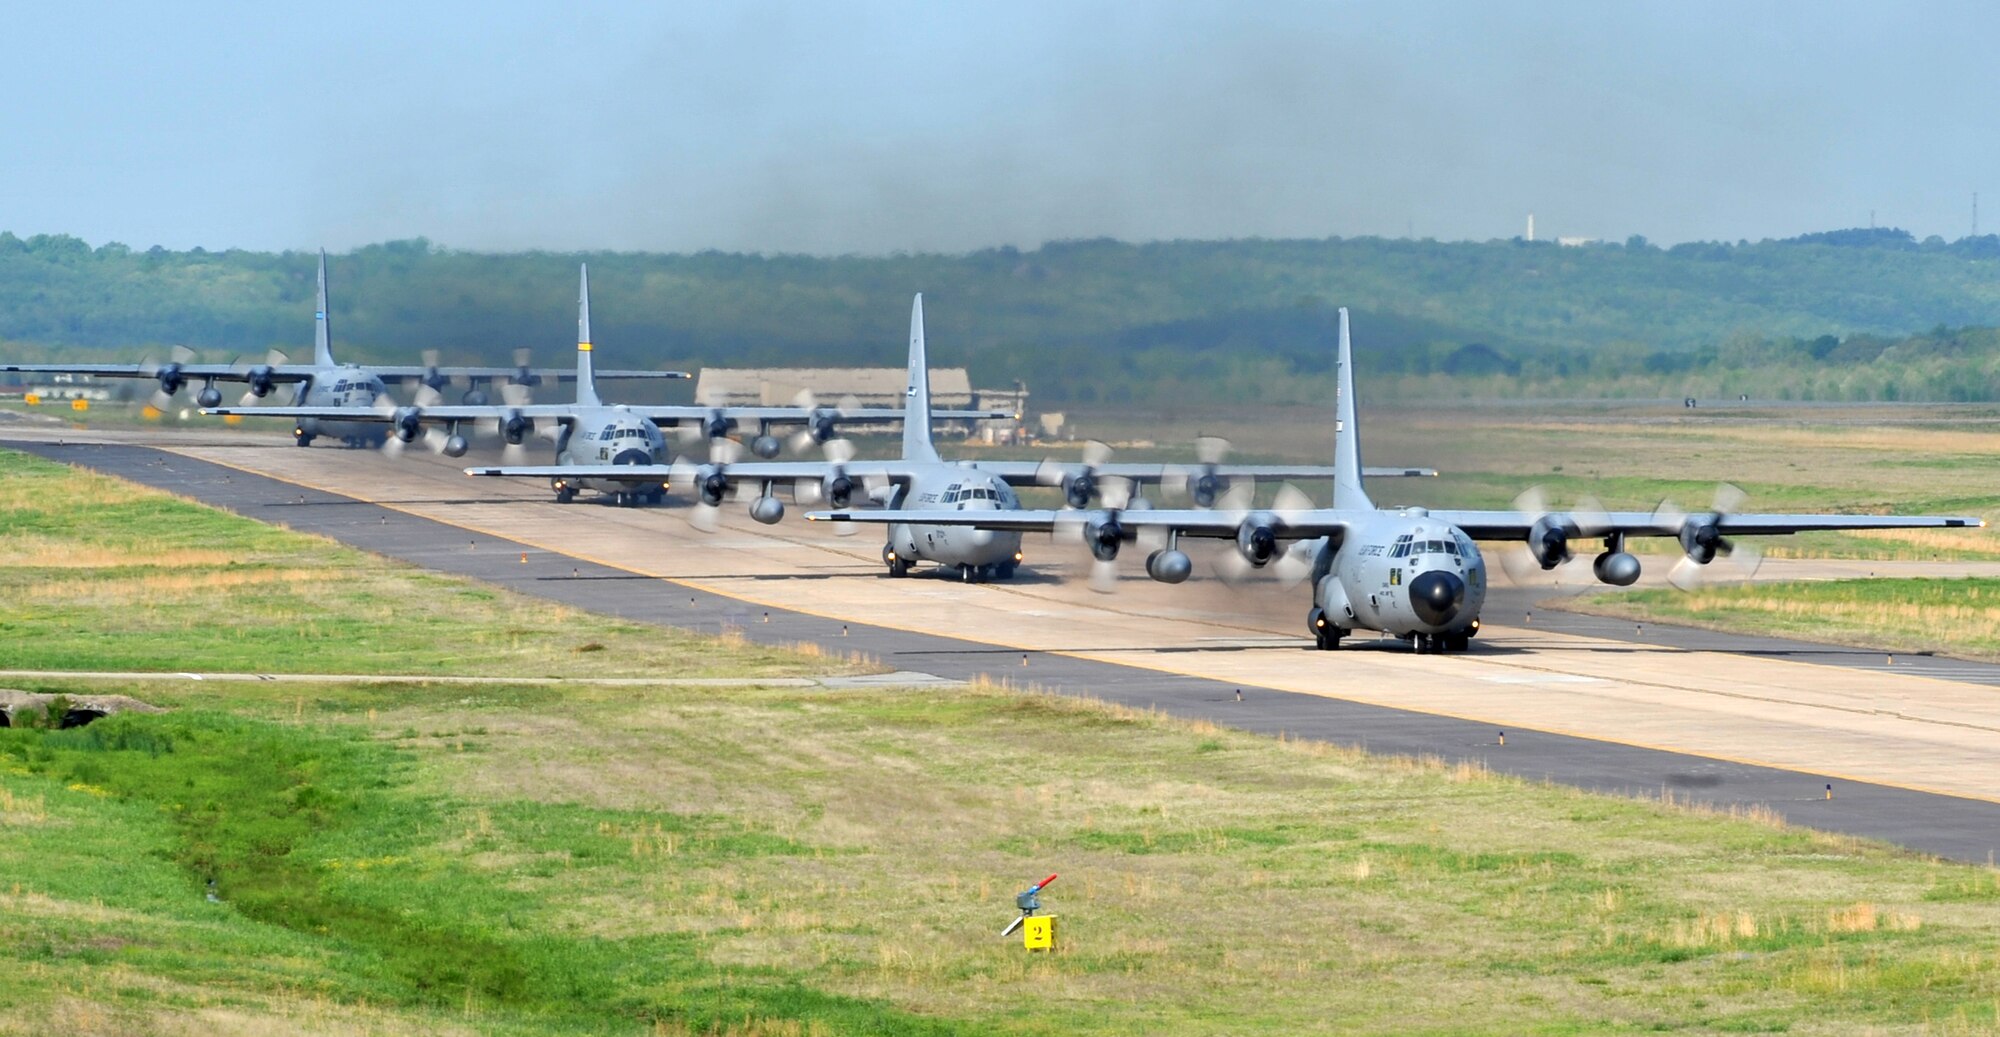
(1436, 595)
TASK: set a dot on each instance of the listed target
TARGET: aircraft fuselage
(1402, 573)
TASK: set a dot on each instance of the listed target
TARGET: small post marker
(1239, 694)
(690, 601)
(767, 617)
(843, 630)
(1038, 933)
(1527, 618)
(1891, 661)
(524, 558)
(575, 572)
(1829, 790)
(1638, 628)
(1024, 658)
(1503, 738)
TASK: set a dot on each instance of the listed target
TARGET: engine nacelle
(1169, 566)
(262, 380)
(1078, 489)
(516, 428)
(523, 375)
(1548, 541)
(712, 483)
(768, 510)
(821, 425)
(408, 422)
(456, 445)
(434, 379)
(1701, 540)
(171, 379)
(475, 397)
(1257, 541)
(209, 396)
(1616, 568)
(765, 446)
(837, 488)
(1204, 487)
(716, 426)
(1104, 535)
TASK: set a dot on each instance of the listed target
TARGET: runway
(1908, 746)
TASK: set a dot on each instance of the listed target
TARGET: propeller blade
(724, 451)
(1115, 491)
(1292, 504)
(1728, 498)
(276, 357)
(1237, 499)
(810, 491)
(430, 358)
(514, 394)
(522, 356)
(839, 451)
(1095, 453)
(182, 355)
(1295, 564)
(1234, 569)
(1103, 576)
(705, 517)
(425, 396)
(514, 453)
(1687, 574)
(1211, 449)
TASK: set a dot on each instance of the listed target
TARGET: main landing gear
(302, 437)
(898, 567)
(1438, 644)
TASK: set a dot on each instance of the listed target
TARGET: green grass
(1952, 616)
(98, 574)
(778, 861)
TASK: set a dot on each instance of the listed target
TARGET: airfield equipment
(1029, 901)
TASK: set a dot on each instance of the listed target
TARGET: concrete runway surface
(1910, 746)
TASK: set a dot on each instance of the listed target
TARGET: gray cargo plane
(1412, 573)
(621, 445)
(920, 479)
(334, 393)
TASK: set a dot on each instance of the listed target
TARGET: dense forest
(1833, 315)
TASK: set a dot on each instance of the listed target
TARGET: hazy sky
(834, 127)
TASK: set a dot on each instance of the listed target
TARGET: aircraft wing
(1023, 473)
(742, 472)
(189, 372)
(448, 412)
(547, 374)
(675, 414)
(1195, 522)
(1515, 525)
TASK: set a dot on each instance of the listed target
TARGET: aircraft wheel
(899, 568)
(968, 573)
(565, 495)
(1422, 644)
(657, 497)
(1327, 638)
(1004, 571)
(1458, 643)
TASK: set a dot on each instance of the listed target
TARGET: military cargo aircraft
(919, 479)
(334, 392)
(1412, 573)
(614, 438)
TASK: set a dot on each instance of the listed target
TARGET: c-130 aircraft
(1412, 573)
(341, 397)
(919, 478)
(613, 448)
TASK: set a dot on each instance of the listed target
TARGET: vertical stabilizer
(1347, 490)
(917, 398)
(322, 339)
(586, 379)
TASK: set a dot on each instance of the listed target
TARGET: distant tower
(1531, 226)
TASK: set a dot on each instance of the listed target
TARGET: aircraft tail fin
(1347, 489)
(322, 339)
(586, 379)
(917, 444)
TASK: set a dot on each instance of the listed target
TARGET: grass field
(1957, 617)
(100, 574)
(780, 862)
